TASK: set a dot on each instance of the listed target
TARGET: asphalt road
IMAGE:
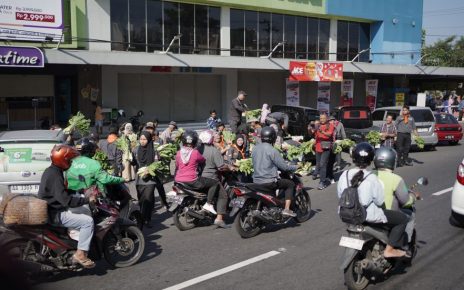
(305, 256)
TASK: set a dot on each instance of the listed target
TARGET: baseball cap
(150, 125)
(173, 124)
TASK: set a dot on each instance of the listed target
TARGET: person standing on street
(166, 136)
(237, 108)
(98, 118)
(405, 126)
(339, 135)
(461, 109)
(388, 132)
(324, 142)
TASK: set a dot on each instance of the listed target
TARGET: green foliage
(373, 137)
(101, 157)
(445, 52)
(228, 136)
(245, 166)
(78, 123)
(419, 142)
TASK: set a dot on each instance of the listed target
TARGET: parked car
(24, 155)
(423, 116)
(448, 128)
(357, 121)
(457, 198)
(298, 118)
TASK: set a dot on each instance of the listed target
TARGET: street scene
(228, 144)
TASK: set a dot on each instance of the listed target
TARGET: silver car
(24, 155)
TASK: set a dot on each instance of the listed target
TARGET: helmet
(86, 147)
(61, 155)
(363, 154)
(190, 138)
(206, 137)
(385, 157)
(268, 135)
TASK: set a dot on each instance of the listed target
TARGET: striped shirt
(389, 129)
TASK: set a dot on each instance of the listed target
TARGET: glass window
(251, 33)
(137, 32)
(201, 29)
(155, 25)
(171, 25)
(214, 30)
(187, 27)
(236, 32)
(277, 34)
(353, 39)
(378, 115)
(313, 38)
(301, 37)
(324, 35)
(364, 41)
(289, 36)
(342, 40)
(422, 116)
(445, 119)
(119, 25)
(264, 33)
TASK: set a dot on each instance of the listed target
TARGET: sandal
(86, 262)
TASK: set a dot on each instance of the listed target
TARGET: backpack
(351, 210)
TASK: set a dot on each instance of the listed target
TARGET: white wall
(99, 24)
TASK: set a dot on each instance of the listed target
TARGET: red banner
(316, 71)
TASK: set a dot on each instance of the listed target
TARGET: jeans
(398, 222)
(411, 223)
(81, 222)
(212, 188)
(322, 162)
(403, 144)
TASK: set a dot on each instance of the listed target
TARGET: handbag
(326, 145)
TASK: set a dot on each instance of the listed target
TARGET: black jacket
(52, 189)
(236, 110)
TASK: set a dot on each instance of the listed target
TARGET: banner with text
(316, 71)
(347, 93)
(323, 97)
(293, 93)
(31, 20)
(399, 99)
(371, 93)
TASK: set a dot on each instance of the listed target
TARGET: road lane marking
(442, 191)
(222, 271)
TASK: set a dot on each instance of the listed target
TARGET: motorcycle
(128, 207)
(253, 209)
(363, 259)
(50, 248)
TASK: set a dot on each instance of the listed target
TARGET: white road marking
(442, 191)
(222, 271)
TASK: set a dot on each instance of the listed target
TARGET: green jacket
(395, 190)
(92, 174)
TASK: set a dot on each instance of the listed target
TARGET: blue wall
(391, 43)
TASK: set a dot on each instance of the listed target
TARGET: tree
(444, 52)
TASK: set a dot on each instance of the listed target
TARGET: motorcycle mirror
(423, 181)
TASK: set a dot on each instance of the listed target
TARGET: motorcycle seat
(256, 187)
(187, 190)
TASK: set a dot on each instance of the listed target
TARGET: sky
(443, 18)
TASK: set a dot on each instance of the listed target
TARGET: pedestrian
(128, 135)
(213, 120)
(455, 105)
(338, 136)
(237, 108)
(109, 147)
(461, 109)
(324, 144)
(166, 136)
(264, 112)
(238, 150)
(405, 126)
(219, 143)
(98, 118)
(388, 132)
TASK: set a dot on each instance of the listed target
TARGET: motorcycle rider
(266, 163)
(371, 196)
(53, 190)
(397, 195)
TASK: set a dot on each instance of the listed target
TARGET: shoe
(332, 181)
(209, 207)
(322, 185)
(221, 224)
(288, 212)
(408, 163)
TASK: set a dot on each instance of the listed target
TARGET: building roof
(31, 135)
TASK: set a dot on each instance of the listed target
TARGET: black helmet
(363, 154)
(268, 135)
(86, 147)
(190, 138)
(385, 157)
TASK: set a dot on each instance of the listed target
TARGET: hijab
(146, 154)
(128, 129)
(185, 154)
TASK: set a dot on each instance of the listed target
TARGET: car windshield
(446, 119)
(356, 119)
(422, 116)
(21, 156)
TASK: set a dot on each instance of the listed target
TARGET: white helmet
(206, 137)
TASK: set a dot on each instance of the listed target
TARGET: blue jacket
(266, 162)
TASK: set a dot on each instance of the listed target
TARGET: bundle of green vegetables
(253, 115)
(419, 142)
(102, 158)
(374, 138)
(177, 135)
(167, 151)
(305, 169)
(308, 147)
(294, 153)
(78, 123)
(340, 145)
(157, 168)
(228, 136)
(245, 166)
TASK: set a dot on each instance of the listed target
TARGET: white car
(457, 198)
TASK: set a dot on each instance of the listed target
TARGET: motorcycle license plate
(177, 199)
(237, 202)
(352, 243)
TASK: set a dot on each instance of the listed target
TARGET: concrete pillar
(333, 40)
(109, 88)
(99, 23)
(225, 31)
(229, 91)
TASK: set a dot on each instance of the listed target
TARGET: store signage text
(11, 56)
(316, 71)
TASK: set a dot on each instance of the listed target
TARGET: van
(423, 117)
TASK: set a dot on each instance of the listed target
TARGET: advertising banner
(293, 93)
(323, 97)
(11, 56)
(31, 20)
(19, 155)
(371, 93)
(399, 99)
(316, 71)
(347, 93)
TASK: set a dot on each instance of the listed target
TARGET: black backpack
(351, 210)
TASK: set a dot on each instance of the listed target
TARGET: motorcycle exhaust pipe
(257, 214)
(30, 266)
(194, 214)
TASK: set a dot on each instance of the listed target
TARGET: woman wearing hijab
(264, 112)
(238, 150)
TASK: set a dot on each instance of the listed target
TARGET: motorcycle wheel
(303, 206)
(127, 251)
(182, 220)
(354, 278)
(245, 224)
(136, 217)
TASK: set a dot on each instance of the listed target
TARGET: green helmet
(385, 157)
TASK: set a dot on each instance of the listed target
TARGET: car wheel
(430, 148)
(453, 143)
(456, 220)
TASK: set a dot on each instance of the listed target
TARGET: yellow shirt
(98, 114)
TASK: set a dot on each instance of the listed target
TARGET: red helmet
(62, 155)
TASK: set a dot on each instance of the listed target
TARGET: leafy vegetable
(177, 135)
(305, 169)
(157, 168)
(245, 166)
(373, 137)
(308, 147)
(419, 142)
(101, 157)
(167, 151)
(78, 123)
(294, 153)
(343, 144)
(253, 114)
(228, 136)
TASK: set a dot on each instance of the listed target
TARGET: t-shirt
(188, 172)
(213, 161)
(98, 114)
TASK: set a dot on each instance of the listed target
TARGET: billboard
(316, 71)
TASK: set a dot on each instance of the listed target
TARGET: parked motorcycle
(49, 248)
(253, 209)
(363, 259)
